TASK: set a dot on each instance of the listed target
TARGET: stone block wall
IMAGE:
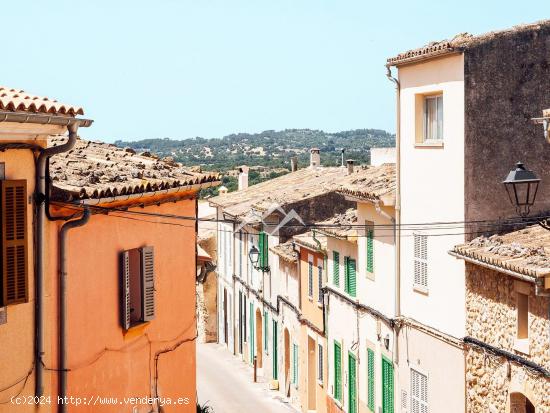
(491, 381)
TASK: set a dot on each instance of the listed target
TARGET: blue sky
(180, 69)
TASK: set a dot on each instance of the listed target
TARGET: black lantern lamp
(254, 256)
(522, 185)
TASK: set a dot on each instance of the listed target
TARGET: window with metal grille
(421, 261)
(310, 279)
(320, 284)
(419, 392)
(336, 268)
(320, 362)
(370, 246)
(138, 286)
(337, 371)
(370, 379)
(14, 242)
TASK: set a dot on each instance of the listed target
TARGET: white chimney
(243, 177)
(349, 162)
(314, 158)
(222, 190)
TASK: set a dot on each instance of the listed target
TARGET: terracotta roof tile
(17, 100)
(526, 251)
(308, 240)
(308, 183)
(459, 43)
(341, 226)
(100, 170)
(285, 251)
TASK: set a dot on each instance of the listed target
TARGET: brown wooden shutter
(125, 290)
(14, 241)
(148, 283)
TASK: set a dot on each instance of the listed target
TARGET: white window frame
(419, 401)
(425, 137)
(420, 254)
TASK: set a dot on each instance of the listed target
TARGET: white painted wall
(432, 190)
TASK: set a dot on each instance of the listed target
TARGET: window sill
(420, 289)
(429, 144)
(320, 305)
(522, 345)
(136, 330)
(370, 276)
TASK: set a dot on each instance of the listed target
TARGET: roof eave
(43, 119)
(422, 58)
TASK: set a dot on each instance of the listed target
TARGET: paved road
(225, 383)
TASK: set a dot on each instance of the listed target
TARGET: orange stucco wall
(311, 309)
(103, 360)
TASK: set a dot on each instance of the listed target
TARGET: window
(336, 268)
(251, 330)
(352, 383)
(337, 371)
(320, 284)
(421, 262)
(295, 364)
(310, 280)
(350, 276)
(265, 332)
(138, 286)
(241, 254)
(275, 354)
(263, 247)
(419, 392)
(320, 363)
(13, 240)
(523, 316)
(433, 118)
(370, 379)
(387, 386)
(370, 247)
(244, 318)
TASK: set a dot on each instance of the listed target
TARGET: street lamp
(521, 185)
(254, 256)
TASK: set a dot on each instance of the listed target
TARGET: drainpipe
(40, 192)
(397, 222)
(63, 303)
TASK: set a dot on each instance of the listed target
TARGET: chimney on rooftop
(349, 162)
(314, 158)
(243, 177)
(294, 164)
(222, 190)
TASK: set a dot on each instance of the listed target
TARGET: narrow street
(225, 384)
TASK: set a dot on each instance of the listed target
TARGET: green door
(275, 354)
(337, 371)
(251, 341)
(387, 386)
(352, 384)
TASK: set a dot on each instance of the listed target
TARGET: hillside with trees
(267, 153)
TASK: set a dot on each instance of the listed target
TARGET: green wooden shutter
(295, 364)
(275, 354)
(251, 341)
(370, 250)
(336, 268)
(387, 386)
(352, 278)
(370, 380)
(352, 384)
(346, 274)
(337, 371)
(261, 249)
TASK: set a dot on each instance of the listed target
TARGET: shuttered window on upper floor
(14, 242)
(137, 286)
(370, 246)
(263, 247)
(350, 276)
(336, 268)
(421, 261)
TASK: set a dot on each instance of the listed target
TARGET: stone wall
(506, 83)
(491, 318)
